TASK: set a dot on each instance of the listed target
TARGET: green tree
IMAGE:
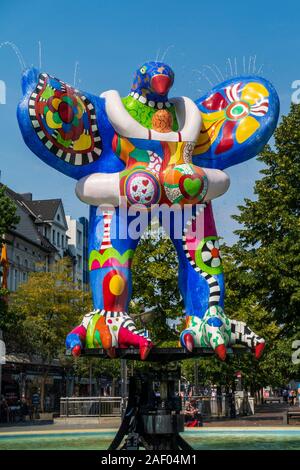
(275, 368)
(8, 215)
(8, 220)
(43, 310)
(267, 254)
(155, 286)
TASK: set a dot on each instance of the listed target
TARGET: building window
(62, 241)
(18, 260)
(79, 238)
(79, 261)
(58, 239)
(58, 217)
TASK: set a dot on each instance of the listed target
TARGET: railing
(91, 406)
(222, 406)
(208, 406)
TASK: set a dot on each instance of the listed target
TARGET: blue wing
(66, 128)
(238, 118)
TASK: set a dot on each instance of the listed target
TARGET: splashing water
(213, 71)
(260, 69)
(214, 75)
(230, 66)
(157, 54)
(40, 55)
(166, 51)
(219, 72)
(16, 51)
(249, 65)
(254, 64)
(235, 66)
(203, 75)
(75, 73)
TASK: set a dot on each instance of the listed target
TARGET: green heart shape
(192, 186)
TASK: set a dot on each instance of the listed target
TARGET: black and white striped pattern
(110, 314)
(242, 334)
(127, 323)
(69, 156)
(213, 285)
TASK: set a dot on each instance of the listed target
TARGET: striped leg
(242, 334)
(111, 253)
(201, 283)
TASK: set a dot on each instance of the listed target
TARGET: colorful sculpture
(145, 151)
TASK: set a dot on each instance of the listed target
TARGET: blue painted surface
(254, 144)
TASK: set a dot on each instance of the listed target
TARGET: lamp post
(123, 384)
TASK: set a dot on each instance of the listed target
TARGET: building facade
(43, 236)
(75, 235)
(85, 274)
(28, 249)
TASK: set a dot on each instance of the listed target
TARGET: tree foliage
(45, 308)
(8, 216)
(155, 286)
(268, 251)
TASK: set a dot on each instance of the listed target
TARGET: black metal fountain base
(153, 419)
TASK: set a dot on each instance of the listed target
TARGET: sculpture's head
(153, 81)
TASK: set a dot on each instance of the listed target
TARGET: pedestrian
(285, 395)
(291, 397)
(36, 404)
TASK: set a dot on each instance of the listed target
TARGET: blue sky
(111, 39)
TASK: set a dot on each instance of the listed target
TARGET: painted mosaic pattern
(65, 121)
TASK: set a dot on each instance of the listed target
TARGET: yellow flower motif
(234, 110)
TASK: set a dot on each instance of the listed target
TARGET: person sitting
(193, 417)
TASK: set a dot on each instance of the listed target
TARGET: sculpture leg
(111, 248)
(201, 282)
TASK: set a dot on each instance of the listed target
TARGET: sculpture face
(153, 81)
(147, 150)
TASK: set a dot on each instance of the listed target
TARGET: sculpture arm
(218, 182)
(99, 188)
(66, 128)
(238, 118)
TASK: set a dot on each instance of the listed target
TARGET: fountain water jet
(16, 51)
